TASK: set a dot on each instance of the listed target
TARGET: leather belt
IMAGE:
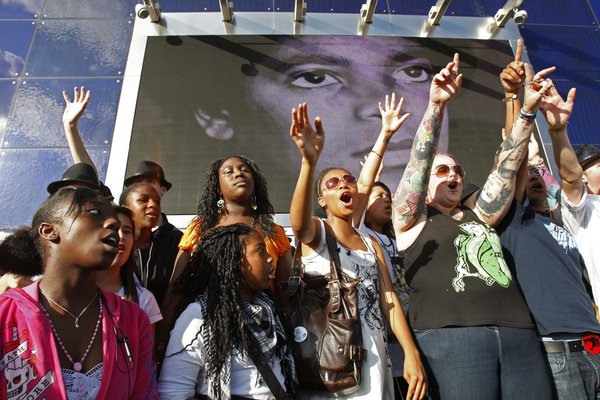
(563, 346)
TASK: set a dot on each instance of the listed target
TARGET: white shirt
(147, 302)
(583, 220)
(376, 372)
(183, 374)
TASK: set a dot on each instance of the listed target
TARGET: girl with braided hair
(227, 315)
(235, 191)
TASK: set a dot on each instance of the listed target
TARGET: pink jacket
(29, 356)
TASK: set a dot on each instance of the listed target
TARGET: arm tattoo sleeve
(498, 190)
(409, 199)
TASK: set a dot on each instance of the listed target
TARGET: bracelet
(526, 116)
(537, 161)
(376, 153)
(512, 97)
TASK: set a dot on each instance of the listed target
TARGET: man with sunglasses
(464, 306)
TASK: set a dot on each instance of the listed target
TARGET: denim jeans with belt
(484, 363)
(575, 375)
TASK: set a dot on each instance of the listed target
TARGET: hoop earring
(221, 205)
(253, 205)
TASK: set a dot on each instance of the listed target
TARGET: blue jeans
(484, 363)
(575, 375)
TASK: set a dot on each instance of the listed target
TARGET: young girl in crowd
(63, 337)
(228, 322)
(360, 256)
(235, 191)
(119, 277)
(155, 250)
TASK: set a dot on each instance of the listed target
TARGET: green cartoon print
(479, 254)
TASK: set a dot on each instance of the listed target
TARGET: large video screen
(202, 98)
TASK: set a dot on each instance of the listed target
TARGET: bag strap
(334, 264)
(265, 370)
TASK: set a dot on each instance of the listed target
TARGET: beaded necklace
(76, 365)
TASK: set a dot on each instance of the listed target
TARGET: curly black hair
(215, 269)
(208, 212)
(19, 255)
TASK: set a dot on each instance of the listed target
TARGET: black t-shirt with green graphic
(458, 276)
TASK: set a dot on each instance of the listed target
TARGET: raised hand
(446, 83)
(536, 86)
(74, 109)
(391, 120)
(309, 141)
(513, 76)
(556, 110)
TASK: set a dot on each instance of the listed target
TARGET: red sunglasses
(334, 182)
(443, 170)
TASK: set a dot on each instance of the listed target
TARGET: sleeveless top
(458, 276)
(377, 381)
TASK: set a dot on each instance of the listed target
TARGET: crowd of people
(464, 291)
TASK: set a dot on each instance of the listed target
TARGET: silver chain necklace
(67, 311)
(77, 365)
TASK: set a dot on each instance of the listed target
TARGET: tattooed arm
(498, 191)
(409, 200)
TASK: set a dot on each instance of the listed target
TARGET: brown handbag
(324, 318)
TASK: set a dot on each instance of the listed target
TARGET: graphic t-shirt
(458, 276)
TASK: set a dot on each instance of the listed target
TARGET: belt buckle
(591, 344)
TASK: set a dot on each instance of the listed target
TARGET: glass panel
(15, 39)
(36, 118)
(190, 5)
(20, 9)
(7, 92)
(80, 48)
(88, 8)
(576, 59)
(584, 122)
(28, 173)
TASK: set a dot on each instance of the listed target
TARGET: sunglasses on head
(334, 182)
(535, 172)
(443, 170)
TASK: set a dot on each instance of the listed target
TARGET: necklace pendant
(77, 323)
(77, 366)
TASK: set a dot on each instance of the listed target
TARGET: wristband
(526, 116)
(512, 97)
(377, 154)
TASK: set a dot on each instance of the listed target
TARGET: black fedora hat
(76, 174)
(149, 169)
(586, 155)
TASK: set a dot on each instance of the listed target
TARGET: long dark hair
(208, 212)
(214, 270)
(128, 269)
